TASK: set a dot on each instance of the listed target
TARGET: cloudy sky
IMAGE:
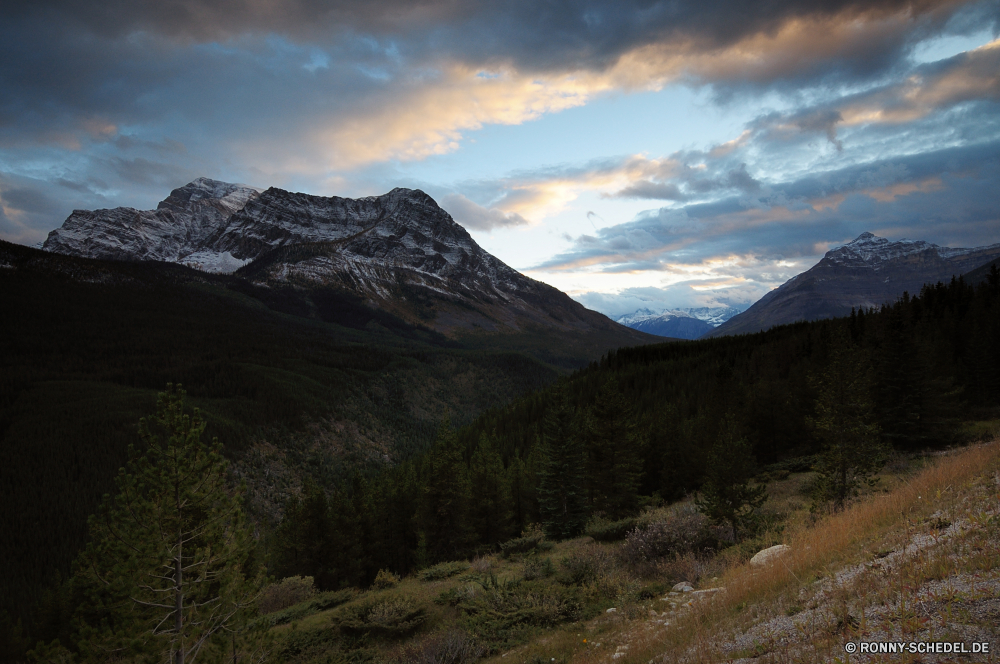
(632, 153)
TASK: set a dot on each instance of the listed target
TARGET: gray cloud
(945, 196)
(476, 217)
(664, 191)
(538, 35)
(121, 100)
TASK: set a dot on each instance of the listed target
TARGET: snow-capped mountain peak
(872, 251)
(684, 323)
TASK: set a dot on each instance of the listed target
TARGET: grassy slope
(918, 559)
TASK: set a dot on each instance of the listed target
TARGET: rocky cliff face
(868, 272)
(399, 251)
(176, 231)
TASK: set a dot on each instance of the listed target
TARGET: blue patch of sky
(946, 46)
(651, 123)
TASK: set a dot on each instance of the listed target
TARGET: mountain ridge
(399, 251)
(867, 272)
(690, 323)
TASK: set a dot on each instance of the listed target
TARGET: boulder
(682, 587)
(767, 556)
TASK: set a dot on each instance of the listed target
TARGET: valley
(398, 408)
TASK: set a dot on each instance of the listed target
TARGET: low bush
(320, 602)
(676, 533)
(585, 565)
(536, 568)
(384, 580)
(286, 593)
(443, 571)
(528, 541)
(484, 565)
(800, 464)
(385, 617)
(498, 616)
(452, 647)
(604, 530)
(456, 594)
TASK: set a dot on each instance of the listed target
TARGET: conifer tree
(443, 511)
(845, 420)
(614, 447)
(394, 538)
(304, 541)
(899, 382)
(522, 478)
(166, 571)
(726, 496)
(562, 500)
(490, 511)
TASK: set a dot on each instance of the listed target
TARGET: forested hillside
(82, 362)
(638, 426)
(86, 345)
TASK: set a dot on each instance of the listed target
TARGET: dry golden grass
(882, 521)
(877, 523)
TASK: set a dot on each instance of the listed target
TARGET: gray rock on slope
(767, 556)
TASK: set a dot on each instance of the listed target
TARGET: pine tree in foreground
(165, 574)
(443, 510)
(845, 420)
(490, 511)
(726, 496)
(562, 499)
(614, 449)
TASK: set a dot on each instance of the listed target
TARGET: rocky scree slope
(868, 272)
(400, 252)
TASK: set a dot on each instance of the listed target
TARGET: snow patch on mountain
(714, 316)
(873, 251)
(213, 261)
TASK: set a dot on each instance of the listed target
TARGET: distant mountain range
(868, 272)
(690, 323)
(399, 252)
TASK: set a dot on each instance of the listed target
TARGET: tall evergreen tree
(726, 496)
(165, 573)
(394, 537)
(443, 512)
(845, 420)
(899, 382)
(522, 478)
(614, 447)
(562, 499)
(303, 542)
(491, 509)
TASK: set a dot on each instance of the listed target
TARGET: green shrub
(536, 568)
(443, 571)
(653, 590)
(286, 593)
(577, 570)
(320, 602)
(385, 579)
(529, 540)
(501, 615)
(452, 647)
(801, 464)
(386, 617)
(604, 530)
(672, 534)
